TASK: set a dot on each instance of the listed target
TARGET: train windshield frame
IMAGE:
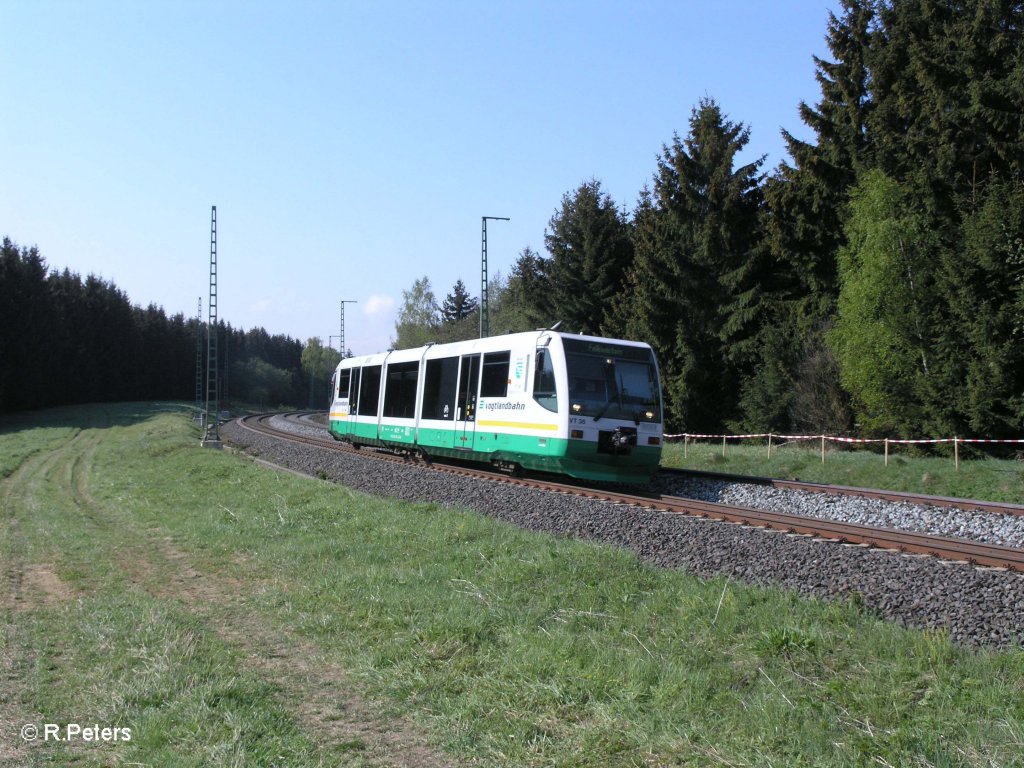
(612, 381)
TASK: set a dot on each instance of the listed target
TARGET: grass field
(230, 615)
(978, 477)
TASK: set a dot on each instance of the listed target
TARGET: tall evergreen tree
(806, 200)
(645, 309)
(694, 274)
(527, 295)
(589, 242)
(948, 85)
(26, 313)
(978, 385)
(805, 207)
(458, 305)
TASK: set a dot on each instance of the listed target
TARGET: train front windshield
(612, 381)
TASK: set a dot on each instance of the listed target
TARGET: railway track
(977, 553)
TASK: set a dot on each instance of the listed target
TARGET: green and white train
(583, 406)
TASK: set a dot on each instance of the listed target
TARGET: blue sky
(351, 148)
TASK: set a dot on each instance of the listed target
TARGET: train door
(353, 402)
(465, 403)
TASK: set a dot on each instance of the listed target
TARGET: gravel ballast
(976, 606)
(954, 522)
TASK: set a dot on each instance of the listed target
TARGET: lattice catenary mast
(341, 329)
(484, 321)
(212, 404)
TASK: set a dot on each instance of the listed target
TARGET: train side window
(544, 382)
(369, 391)
(494, 382)
(353, 397)
(439, 384)
(343, 381)
(400, 390)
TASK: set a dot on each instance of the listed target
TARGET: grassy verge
(234, 616)
(977, 478)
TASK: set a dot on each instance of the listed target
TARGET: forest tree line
(66, 340)
(871, 284)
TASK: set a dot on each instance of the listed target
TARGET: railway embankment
(975, 606)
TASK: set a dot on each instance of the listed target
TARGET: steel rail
(976, 553)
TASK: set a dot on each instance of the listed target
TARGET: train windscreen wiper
(619, 390)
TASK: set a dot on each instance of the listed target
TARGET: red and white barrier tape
(835, 439)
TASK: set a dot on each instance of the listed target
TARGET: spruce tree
(695, 271)
(978, 387)
(26, 317)
(805, 207)
(526, 300)
(948, 87)
(589, 242)
(807, 199)
(458, 305)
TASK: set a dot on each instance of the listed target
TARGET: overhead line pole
(341, 330)
(484, 320)
(212, 435)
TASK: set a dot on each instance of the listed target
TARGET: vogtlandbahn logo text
(504, 406)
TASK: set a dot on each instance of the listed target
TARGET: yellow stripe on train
(516, 425)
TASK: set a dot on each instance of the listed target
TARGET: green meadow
(979, 476)
(228, 614)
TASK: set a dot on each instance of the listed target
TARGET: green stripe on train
(577, 458)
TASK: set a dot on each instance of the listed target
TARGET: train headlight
(650, 415)
(576, 407)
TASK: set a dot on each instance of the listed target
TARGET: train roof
(487, 344)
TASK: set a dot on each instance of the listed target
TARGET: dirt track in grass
(316, 691)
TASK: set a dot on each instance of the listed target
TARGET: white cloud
(260, 306)
(377, 304)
